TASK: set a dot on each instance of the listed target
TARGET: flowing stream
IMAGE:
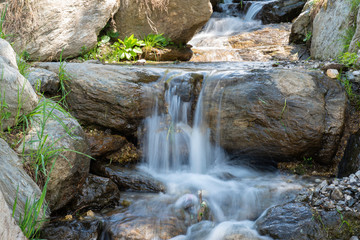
(212, 43)
(197, 172)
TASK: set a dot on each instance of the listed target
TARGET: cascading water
(212, 42)
(181, 155)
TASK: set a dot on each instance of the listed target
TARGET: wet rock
(45, 31)
(280, 11)
(97, 193)
(170, 53)
(117, 97)
(8, 227)
(59, 130)
(350, 163)
(114, 148)
(127, 179)
(44, 81)
(178, 19)
(15, 89)
(71, 230)
(267, 113)
(291, 221)
(336, 194)
(12, 177)
(145, 228)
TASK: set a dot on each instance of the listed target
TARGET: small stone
(332, 73)
(336, 194)
(357, 174)
(351, 202)
(68, 217)
(354, 238)
(319, 180)
(329, 205)
(90, 213)
(335, 182)
(356, 73)
(318, 202)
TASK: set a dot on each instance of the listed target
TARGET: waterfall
(172, 144)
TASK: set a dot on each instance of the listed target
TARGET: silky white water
(179, 153)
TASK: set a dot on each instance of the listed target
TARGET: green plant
(308, 36)
(343, 221)
(22, 63)
(348, 36)
(4, 108)
(127, 49)
(2, 21)
(349, 59)
(64, 78)
(156, 41)
(308, 161)
(34, 214)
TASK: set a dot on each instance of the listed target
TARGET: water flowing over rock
(176, 19)
(329, 27)
(16, 92)
(112, 96)
(8, 227)
(268, 113)
(43, 28)
(57, 129)
(14, 181)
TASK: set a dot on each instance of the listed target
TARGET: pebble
(332, 73)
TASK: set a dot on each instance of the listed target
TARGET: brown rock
(170, 53)
(177, 19)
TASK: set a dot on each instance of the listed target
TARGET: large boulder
(8, 227)
(302, 25)
(43, 28)
(177, 19)
(278, 114)
(14, 181)
(17, 97)
(54, 130)
(329, 28)
(280, 11)
(117, 97)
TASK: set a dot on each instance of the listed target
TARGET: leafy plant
(349, 59)
(347, 38)
(156, 41)
(127, 49)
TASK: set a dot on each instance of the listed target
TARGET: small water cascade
(180, 154)
(212, 42)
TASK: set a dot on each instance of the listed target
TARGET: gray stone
(302, 25)
(8, 227)
(177, 19)
(266, 113)
(60, 24)
(71, 167)
(44, 80)
(336, 194)
(8, 54)
(330, 25)
(12, 177)
(15, 90)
